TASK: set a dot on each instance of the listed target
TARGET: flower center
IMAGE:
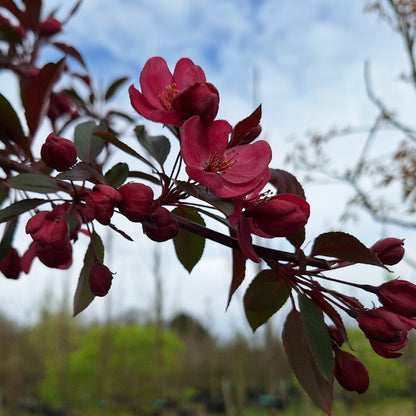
(220, 162)
(166, 97)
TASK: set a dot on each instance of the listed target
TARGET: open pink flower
(173, 98)
(227, 172)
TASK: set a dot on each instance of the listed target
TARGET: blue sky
(308, 56)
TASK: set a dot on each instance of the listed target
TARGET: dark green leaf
(317, 336)
(83, 295)
(112, 89)
(110, 138)
(36, 99)
(203, 194)
(264, 297)
(303, 363)
(344, 247)
(88, 145)
(83, 171)
(117, 175)
(157, 146)
(7, 240)
(34, 183)
(19, 207)
(189, 246)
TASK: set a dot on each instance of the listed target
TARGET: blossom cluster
(226, 169)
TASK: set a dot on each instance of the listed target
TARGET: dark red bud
(10, 264)
(58, 153)
(399, 296)
(50, 27)
(137, 201)
(99, 279)
(389, 250)
(350, 372)
(161, 225)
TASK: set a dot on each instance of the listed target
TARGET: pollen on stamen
(166, 97)
(220, 164)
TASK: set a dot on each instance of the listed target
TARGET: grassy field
(402, 407)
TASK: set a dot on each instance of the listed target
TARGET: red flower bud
(104, 199)
(282, 215)
(389, 250)
(10, 264)
(48, 228)
(386, 330)
(350, 372)
(58, 153)
(399, 296)
(100, 279)
(49, 27)
(137, 201)
(58, 257)
(161, 225)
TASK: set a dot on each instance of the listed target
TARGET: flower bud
(161, 225)
(57, 257)
(282, 215)
(50, 27)
(104, 199)
(58, 153)
(99, 279)
(137, 201)
(350, 372)
(10, 264)
(399, 296)
(46, 227)
(389, 250)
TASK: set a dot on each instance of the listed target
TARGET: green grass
(386, 407)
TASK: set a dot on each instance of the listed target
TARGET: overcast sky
(302, 60)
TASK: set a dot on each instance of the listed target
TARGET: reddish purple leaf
(36, 100)
(243, 127)
(70, 51)
(239, 272)
(32, 14)
(303, 363)
(286, 183)
(344, 247)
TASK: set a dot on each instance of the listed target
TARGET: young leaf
(10, 128)
(286, 183)
(344, 247)
(70, 51)
(239, 272)
(36, 99)
(317, 336)
(88, 145)
(303, 363)
(19, 207)
(189, 247)
(264, 297)
(243, 127)
(83, 295)
(112, 89)
(34, 183)
(117, 175)
(157, 146)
